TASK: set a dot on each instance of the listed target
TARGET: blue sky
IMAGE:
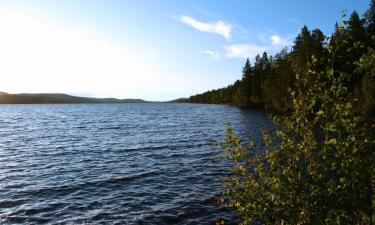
(155, 50)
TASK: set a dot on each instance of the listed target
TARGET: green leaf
(320, 112)
(332, 141)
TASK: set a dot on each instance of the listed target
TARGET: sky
(154, 50)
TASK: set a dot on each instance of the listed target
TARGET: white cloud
(244, 50)
(277, 40)
(212, 54)
(219, 27)
(272, 45)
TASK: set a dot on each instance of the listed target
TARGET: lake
(150, 163)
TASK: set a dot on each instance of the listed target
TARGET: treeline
(268, 82)
(318, 165)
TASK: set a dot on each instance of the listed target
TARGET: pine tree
(301, 55)
(370, 23)
(245, 88)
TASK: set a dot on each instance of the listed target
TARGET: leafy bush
(319, 168)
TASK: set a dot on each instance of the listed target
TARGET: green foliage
(318, 169)
(319, 166)
(366, 65)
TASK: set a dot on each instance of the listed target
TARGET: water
(116, 163)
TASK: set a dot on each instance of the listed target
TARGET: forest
(318, 165)
(269, 81)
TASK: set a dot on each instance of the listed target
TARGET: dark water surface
(116, 163)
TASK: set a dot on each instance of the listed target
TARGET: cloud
(219, 27)
(244, 50)
(277, 40)
(212, 54)
(272, 45)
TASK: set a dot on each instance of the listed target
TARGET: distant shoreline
(57, 98)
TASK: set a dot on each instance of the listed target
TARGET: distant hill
(26, 98)
(179, 100)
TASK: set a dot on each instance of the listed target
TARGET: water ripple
(116, 163)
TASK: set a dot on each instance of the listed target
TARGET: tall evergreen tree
(245, 88)
(370, 23)
(301, 55)
(256, 81)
